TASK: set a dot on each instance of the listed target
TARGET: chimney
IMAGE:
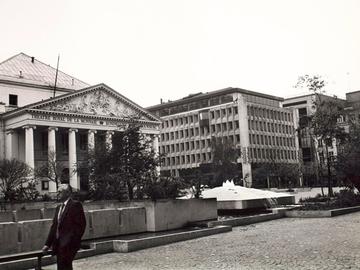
(161, 101)
(32, 59)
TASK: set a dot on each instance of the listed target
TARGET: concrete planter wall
(27, 235)
(173, 214)
(26, 230)
(48, 205)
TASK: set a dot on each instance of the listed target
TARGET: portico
(68, 127)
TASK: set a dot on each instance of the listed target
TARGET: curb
(321, 213)
(242, 221)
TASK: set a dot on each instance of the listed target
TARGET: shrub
(345, 198)
(14, 182)
(163, 188)
(317, 198)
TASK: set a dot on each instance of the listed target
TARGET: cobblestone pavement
(328, 243)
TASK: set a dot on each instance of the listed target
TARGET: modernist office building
(36, 121)
(255, 123)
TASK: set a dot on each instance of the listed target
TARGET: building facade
(353, 106)
(64, 125)
(314, 152)
(254, 123)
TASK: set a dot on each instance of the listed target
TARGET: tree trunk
(130, 191)
(330, 191)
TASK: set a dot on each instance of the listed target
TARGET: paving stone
(331, 243)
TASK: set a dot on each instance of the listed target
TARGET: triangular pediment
(99, 100)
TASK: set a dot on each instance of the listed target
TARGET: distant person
(67, 228)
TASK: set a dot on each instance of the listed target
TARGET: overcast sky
(152, 49)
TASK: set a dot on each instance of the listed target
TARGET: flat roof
(200, 95)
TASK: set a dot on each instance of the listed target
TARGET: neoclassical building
(38, 120)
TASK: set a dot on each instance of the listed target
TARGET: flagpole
(56, 75)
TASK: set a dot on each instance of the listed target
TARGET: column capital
(92, 131)
(73, 130)
(29, 127)
(53, 128)
(110, 132)
(9, 131)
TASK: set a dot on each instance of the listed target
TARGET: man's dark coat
(65, 233)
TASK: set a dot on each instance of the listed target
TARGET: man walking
(67, 228)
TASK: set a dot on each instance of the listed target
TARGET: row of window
(272, 154)
(271, 140)
(196, 131)
(183, 133)
(194, 145)
(227, 126)
(219, 113)
(189, 119)
(188, 159)
(183, 120)
(254, 154)
(269, 114)
(270, 127)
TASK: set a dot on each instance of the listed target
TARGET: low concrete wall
(307, 214)
(48, 213)
(242, 221)
(31, 214)
(8, 238)
(205, 209)
(33, 234)
(27, 235)
(111, 222)
(132, 220)
(104, 223)
(172, 214)
(321, 213)
(7, 216)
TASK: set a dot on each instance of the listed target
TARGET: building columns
(29, 146)
(91, 140)
(73, 176)
(155, 147)
(155, 144)
(52, 156)
(9, 154)
(108, 139)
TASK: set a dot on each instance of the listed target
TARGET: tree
(224, 166)
(133, 158)
(51, 170)
(195, 180)
(324, 122)
(13, 177)
(127, 163)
